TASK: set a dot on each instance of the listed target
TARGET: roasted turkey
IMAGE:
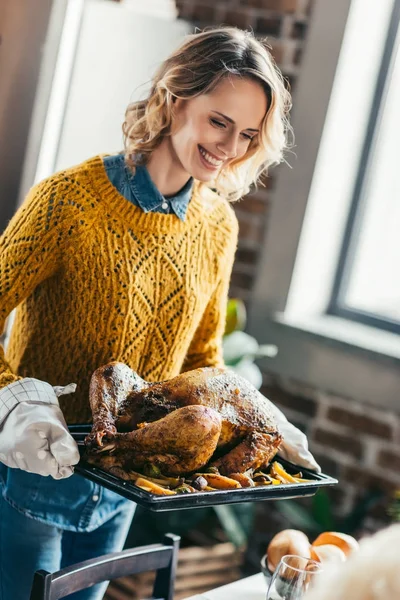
(207, 416)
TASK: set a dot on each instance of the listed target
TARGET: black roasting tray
(199, 499)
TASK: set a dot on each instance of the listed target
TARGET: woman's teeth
(210, 159)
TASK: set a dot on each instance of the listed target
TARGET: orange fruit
(343, 541)
(288, 541)
(327, 553)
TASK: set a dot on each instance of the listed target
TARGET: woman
(126, 258)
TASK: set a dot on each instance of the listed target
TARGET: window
(331, 309)
(367, 283)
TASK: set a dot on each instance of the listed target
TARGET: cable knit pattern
(96, 279)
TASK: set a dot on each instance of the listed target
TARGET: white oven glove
(34, 436)
(294, 447)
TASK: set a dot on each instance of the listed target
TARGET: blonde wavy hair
(196, 67)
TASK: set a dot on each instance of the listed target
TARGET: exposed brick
(249, 230)
(303, 405)
(297, 55)
(380, 511)
(343, 443)
(365, 479)
(265, 183)
(287, 6)
(304, 427)
(277, 51)
(310, 8)
(268, 26)
(256, 204)
(337, 494)
(242, 280)
(246, 230)
(389, 460)
(203, 12)
(299, 30)
(247, 255)
(184, 9)
(238, 292)
(328, 466)
(290, 81)
(239, 18)
(360, 423)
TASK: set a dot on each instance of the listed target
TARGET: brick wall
(356, 443)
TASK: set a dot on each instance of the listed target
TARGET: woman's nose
(229, 146)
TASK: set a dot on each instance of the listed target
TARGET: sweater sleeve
(205, 349)
(29, 251)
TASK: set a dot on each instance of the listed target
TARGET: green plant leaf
(250, 371)
(355, 518)
(231, 525)
(322, 511)
(238, 345)
(298, 516)
(269, 350)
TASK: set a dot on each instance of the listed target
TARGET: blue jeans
(35, 536)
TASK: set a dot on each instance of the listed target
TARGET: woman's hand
(295, 446)
(33, 434)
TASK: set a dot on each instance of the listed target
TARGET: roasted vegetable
(199, 482)
(262, 480)
(151, 470)
(244, 479)
(153, 488)
(279, 472)
(185, 488)
(220, 482)
(212, 470)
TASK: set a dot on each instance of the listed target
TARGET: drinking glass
(292, 577)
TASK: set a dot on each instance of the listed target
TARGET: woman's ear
(178, 103)
(176, 109)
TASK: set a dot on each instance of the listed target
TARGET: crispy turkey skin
(207, 415)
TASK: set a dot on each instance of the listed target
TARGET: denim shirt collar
(140, 189)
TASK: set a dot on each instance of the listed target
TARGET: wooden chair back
(161, 558)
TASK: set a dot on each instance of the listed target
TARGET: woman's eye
(217, 123)
(248, 136)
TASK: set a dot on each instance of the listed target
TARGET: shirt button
(164, 205)
(95, 498)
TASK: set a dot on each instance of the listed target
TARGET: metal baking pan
(157, 503)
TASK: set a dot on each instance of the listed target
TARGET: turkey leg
(109, 388)
(257, 449)
(181, 442)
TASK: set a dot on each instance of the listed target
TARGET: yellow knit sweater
(96, 279)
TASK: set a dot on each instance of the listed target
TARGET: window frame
(345, 262)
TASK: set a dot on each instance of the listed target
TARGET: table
(250, 588)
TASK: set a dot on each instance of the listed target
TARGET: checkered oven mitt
(34, 436)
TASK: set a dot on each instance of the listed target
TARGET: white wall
(117, 52)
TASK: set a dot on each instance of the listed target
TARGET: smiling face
(211, 130)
